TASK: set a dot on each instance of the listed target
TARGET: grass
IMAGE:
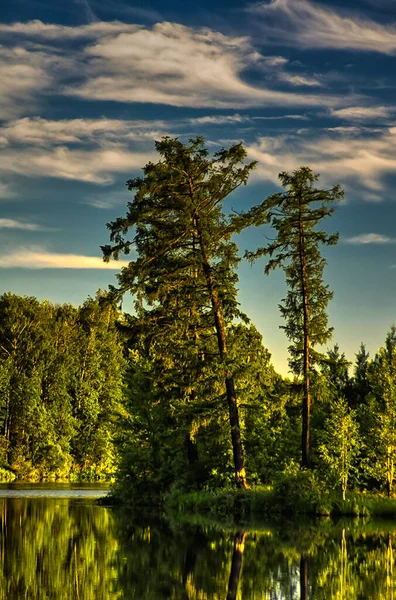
(265, 502)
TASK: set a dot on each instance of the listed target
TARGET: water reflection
(72, 549)
(56, 549)
(327, 562)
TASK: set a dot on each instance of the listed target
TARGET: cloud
(299, 80)
(14, 224)
(107, 200)
(6, 191)
(298, 117)
(357, 161)
(307, 24)
(44, 132)
(370, 238)
(352, 129)
(362, 113)
(275, 61)
(37, 30)
(95, 166)
(23, 75)
(167, 64)
(177, 65)
(220, 120)
(41, 259)
(78, 149)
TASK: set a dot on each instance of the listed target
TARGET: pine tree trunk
(306, 408)
(237, 448)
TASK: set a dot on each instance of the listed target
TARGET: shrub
(301, 492)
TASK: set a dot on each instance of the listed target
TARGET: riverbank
(259, 503)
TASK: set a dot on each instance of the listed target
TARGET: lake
(57, 543)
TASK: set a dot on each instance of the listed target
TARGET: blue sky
(87, 86)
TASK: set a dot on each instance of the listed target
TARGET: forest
(180, 395)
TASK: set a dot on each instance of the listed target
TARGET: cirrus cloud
(356, 159)
(16, 224)
(310, 25)
(167, 64)
(77, 149)
(363, 113)
(95, 166)
(369, 238)
(38, 258)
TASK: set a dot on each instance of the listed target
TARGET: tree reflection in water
(60, 549)
(236, 565)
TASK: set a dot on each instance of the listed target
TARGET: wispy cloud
(167, 64)
(37, 30)
(41, 259)
(357, 160)
(77, 149)
(107, 200)
(96, 166)
(311, 25)
(89, 14)
(299, 80)
(220, 120)
(15, 224)
(174, 64)
(6, 191)
(125, 9)
(23, 76)
(277, 118)
(363, 113)
(370, 238)
(43, 132)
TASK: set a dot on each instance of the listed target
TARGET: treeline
(61, 371)
(174, 444)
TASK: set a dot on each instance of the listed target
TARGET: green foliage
(6, 475)
(301, 492)
(61, 374)
(377, 412)
(272, 430)
(295, 215)
(183, 279)
(339, 445)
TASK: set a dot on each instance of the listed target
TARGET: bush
(6, 475)
(302, 493)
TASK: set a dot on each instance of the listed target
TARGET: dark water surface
(59, 544)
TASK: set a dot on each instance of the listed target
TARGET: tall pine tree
(295, 215)
(184, 273)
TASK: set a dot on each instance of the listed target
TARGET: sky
(86, 86)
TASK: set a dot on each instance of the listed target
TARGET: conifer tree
(295, 215)
(183, 277)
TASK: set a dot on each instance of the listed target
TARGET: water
(50, 490)
(58, 544)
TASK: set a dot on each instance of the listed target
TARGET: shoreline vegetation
(179, 401)
(258, 504)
